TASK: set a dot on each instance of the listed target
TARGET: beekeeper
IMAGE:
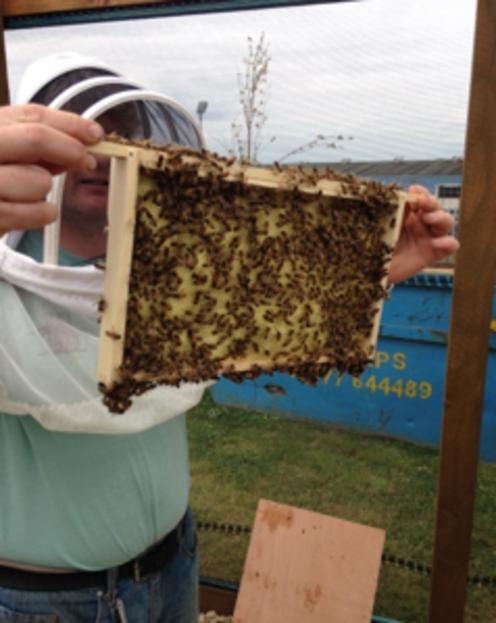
(95, 520)
(95, 524)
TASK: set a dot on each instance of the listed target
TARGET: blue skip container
(401, 394)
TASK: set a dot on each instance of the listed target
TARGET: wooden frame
(469, 335)
(124, 172)
(4, 81)
(18, 8)
(468, 338)
(36, 13)
(126, 162)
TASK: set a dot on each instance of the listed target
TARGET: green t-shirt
(87, 501)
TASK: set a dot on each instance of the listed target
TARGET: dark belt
(151, 561)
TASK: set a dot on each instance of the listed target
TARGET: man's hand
(424, 236)
(36, 143)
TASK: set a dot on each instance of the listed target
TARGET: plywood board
(305, 567)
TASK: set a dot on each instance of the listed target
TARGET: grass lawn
(239, 456)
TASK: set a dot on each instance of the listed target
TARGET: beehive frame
(126, 163)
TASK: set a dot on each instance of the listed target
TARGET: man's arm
(35, 143)
(424, 236)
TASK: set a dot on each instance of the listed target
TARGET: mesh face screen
(145, 119)
(151, 120)
(82, 101)
(55, 87)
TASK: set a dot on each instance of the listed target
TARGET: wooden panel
(474, 278)
(17, 8)
(4, 81)
(303, 566)
(220, 600)
(123, 184)
(31, 7)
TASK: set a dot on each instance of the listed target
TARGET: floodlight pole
(473, 286)
(200, 111)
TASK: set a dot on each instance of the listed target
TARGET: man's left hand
(425, 236)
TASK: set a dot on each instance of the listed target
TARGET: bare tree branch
(253, 87)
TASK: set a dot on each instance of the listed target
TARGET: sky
(392, 74)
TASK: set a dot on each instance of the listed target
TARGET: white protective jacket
(48, 313)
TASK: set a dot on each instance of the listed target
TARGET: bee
(113, 335)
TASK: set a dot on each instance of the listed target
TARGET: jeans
(169, 596)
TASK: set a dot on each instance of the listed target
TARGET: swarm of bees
(237, 279)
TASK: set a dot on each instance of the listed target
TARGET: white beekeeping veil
(49, 331)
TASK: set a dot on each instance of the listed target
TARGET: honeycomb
(232, 278)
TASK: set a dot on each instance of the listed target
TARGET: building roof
(452, 166)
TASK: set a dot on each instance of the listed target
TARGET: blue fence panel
(401, 394)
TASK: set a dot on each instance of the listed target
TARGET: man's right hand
(36, 143)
